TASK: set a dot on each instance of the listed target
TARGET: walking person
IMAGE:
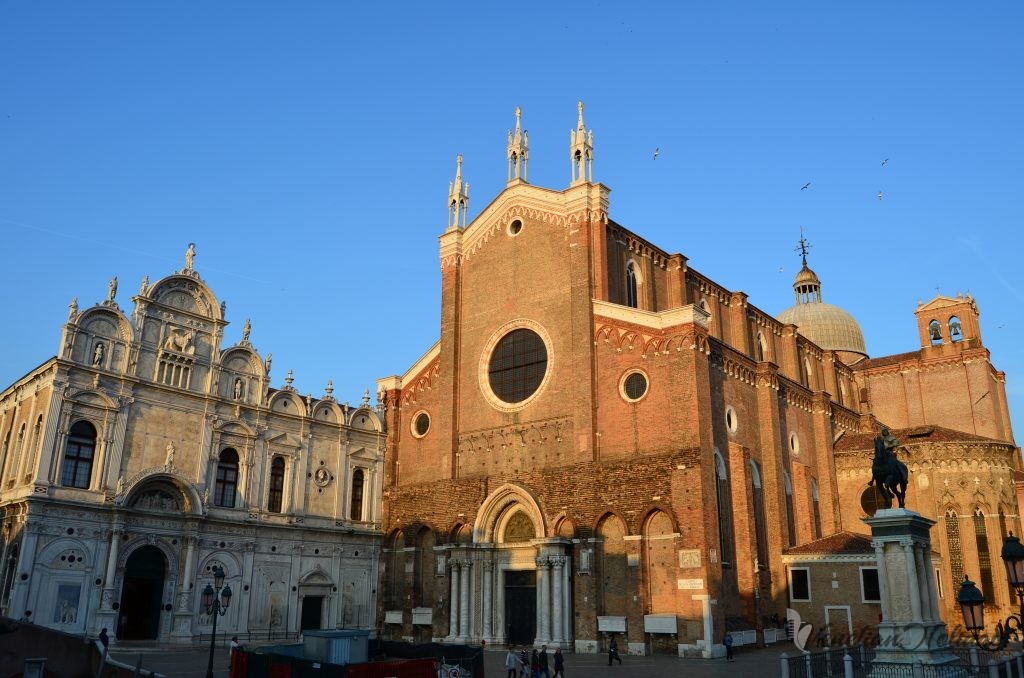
(727, 641)
(512, 662)
(559, 664)
(542, 662)
(534, 664)
(524, 663)
(613, 652)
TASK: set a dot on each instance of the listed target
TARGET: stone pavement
(191, 662)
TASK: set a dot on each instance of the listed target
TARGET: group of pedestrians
(526, 664)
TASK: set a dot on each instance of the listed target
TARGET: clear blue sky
(307, 148)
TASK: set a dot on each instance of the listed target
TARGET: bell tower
(458, 198)
(581, 151)
(518, 152)
(947, 322)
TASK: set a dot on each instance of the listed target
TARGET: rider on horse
(888, 473)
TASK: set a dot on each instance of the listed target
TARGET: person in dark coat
(542, 662)
(559, 664)
(534, 664)
(613, 652)
(104, 638)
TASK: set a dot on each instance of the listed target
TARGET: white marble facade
(146, 453)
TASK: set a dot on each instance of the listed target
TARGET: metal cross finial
(802, 246)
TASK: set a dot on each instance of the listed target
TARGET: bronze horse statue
(888, 474)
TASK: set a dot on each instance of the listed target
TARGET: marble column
(915, 589)
(933, 594)
(453, 619)
(488, 573)
(557, 565)
(464, 630)
(544, 584)
(922, 583)
(108, 580)
(184, 597)
(883, 582)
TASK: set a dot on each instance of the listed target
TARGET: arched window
(790, 513)
(761, 353)
(985, 582)
(935, 332)
(760, 529)
(956, 332)
(724, 505)
(19, 458)
(78, 455)
(356, 510)
(630, 285)
(816, 507)
(10, 567)
(956, 557)
(227, 478)
(1004, 531)
(276, 485)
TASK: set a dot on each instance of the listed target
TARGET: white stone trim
(483, 370)
(622, 384)
(684, 315)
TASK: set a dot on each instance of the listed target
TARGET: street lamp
(216, 600)
(972, 602)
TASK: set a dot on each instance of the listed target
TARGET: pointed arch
(498, 507)
(660, 534)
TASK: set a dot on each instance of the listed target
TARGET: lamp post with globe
(216, 599)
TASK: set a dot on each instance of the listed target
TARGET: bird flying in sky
(656, 152)
(879, 195)
(807, 185)
(885, 162)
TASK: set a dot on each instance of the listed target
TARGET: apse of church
(148, 452)
(603, 441)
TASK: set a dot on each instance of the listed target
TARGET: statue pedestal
(911, 630)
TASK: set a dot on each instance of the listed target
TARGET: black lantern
(1013, 559)
(972, 606)
(208, 594)
(225, 597)
(218, 576)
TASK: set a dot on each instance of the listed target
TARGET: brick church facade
(629, 448)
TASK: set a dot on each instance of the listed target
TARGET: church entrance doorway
(520, 607)
(143, 589)
(312, 611)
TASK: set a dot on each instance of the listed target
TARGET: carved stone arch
(654, 509)
(61, 544)
(92, 398)
(365, 418)
(242, 359)
(499, 505)
(287, 402)
(161, 543)
(176, 291)
(236, 427)
(604, 334)
(316, 577)
(328, 412)
(156, 478)
(233, 566)
(105, 321)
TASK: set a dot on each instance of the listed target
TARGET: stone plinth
(911, 629)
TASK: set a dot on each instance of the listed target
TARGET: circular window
(420, 424)
(515, 227)
(794, 444)
(518, 364)
(731, 422)
(634, 386)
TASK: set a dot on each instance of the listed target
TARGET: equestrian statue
(889, 474)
